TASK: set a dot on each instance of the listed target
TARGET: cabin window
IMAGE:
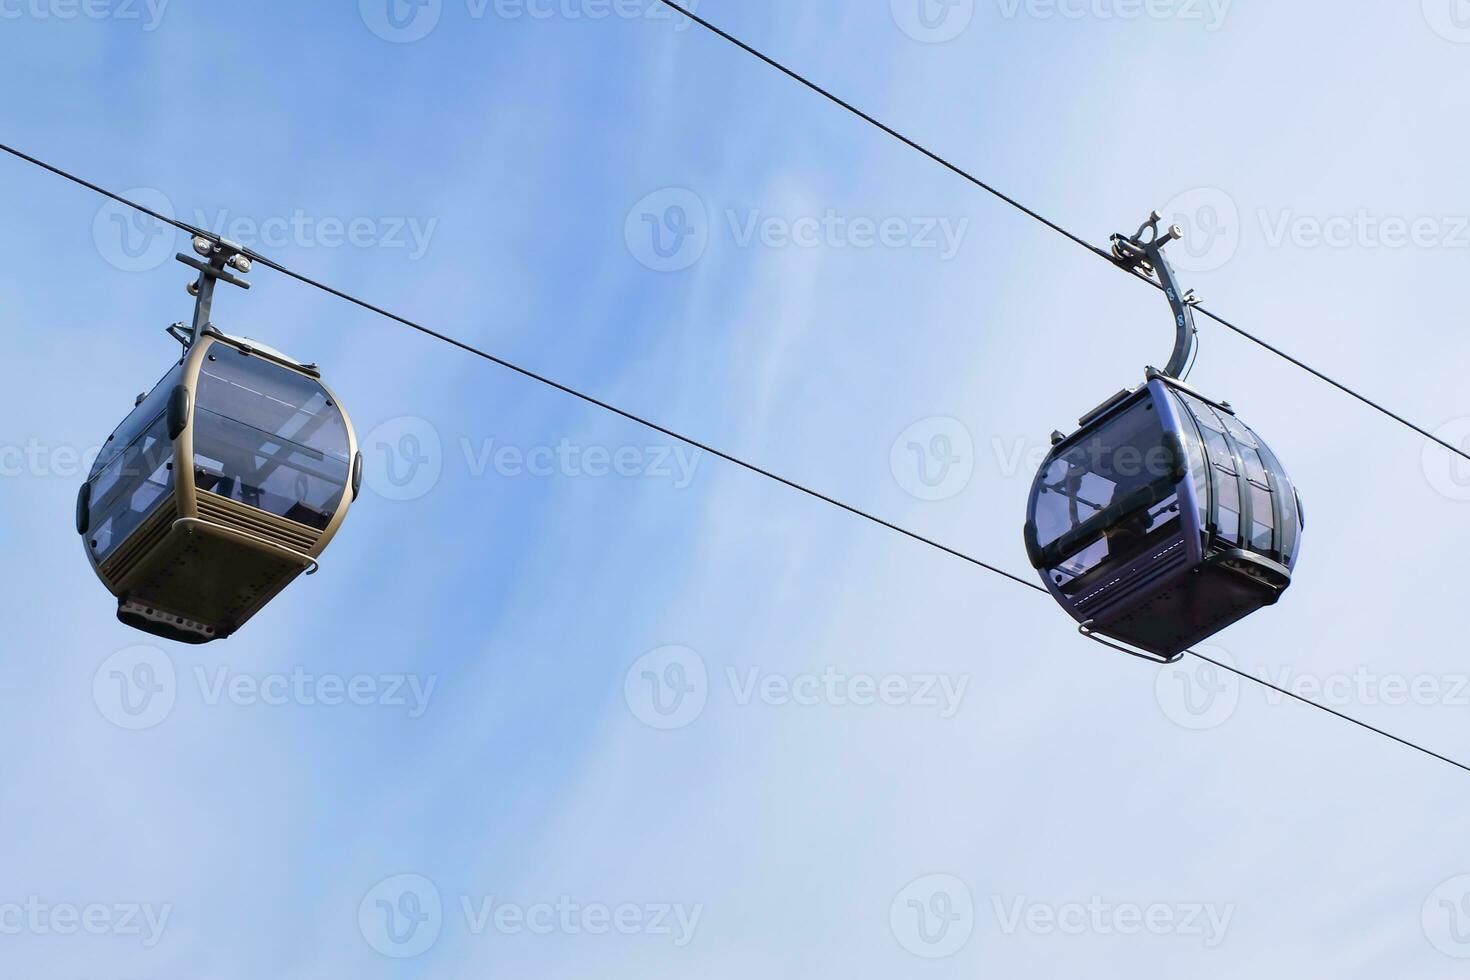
(1263, 521)
(130, 486)
(269, 437)
(1199, 471)
(140, 418)
(1107, 496)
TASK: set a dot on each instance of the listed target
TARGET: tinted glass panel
(1203, 412)
(269, 437)
(1122, 459)
(1263, 521)
(1292, 528)
(130, 487)
(1123, 541)
(1082, 562)
(1290, 512)
(1229, 496)
(140, 418)
(1219, 450)
(1241, 433)
(1195, 451)
(1254, 468)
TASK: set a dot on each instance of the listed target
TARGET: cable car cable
(687, 440)
(1331, 711)
(525, 372)
(65, 175)
(1029, 212)
(640, 420)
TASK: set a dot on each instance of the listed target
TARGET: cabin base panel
(1191, 608)
(222, 580)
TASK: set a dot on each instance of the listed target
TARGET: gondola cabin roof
(264, 350)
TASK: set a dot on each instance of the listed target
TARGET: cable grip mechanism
(1142, 253)
(218, 261)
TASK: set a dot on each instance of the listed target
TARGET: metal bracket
(1145, 257)
(221, 256)
(1086, 630)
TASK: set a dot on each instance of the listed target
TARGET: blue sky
(506, 781)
